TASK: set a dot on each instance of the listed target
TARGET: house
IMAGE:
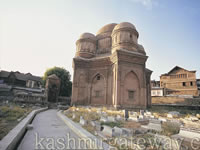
(198, 85)
(155, 83)
(20, 79)
(157, 91)
(179, 81)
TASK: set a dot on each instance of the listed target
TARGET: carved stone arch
(95, 75)
(131, 88)
(136, 74)
(98, 90)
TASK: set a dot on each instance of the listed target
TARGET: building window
(130, 94)
(97, 93)
(130, 36)
(184, 84)
(98, 77)
(191, 83)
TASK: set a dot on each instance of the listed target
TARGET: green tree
(64, 75)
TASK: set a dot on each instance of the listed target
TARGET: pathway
(49, 132)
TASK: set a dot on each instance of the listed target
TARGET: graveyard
(136, 129)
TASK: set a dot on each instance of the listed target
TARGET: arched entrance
(131, 88)
(98, 90)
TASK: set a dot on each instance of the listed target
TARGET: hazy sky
(39, 34)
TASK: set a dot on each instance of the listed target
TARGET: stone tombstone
(126, 115)
(107, 131)
(111, 119)
(142, 112)
(73, 116)
(52, 88)
(83, 121)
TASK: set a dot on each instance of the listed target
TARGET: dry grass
(9, 116)
(131, 124)
(90, 128)
(170, 128)
(113, 124)
(87, 115)
(162, 111)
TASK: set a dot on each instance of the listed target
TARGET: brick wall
(175, 100)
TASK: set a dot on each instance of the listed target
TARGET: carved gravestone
(126, 115)
(52, 88)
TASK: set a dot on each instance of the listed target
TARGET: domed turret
(141, 49)
(86, 45)
(104, 42)
(125, 36)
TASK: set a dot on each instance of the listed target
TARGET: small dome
(124, 25)
(107, 28)
(87, 36)
(141, 49)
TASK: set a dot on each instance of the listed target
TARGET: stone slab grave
(162, 119)
(136, 131)
(190, 132)
(133, 118)
(192, 118)
(73, 116)
(153, 125)
(149, 115)
(103, 119)
(139, 119)
(107, 131)
(126, 132)
(116, 132)
(107, 119)
(173, 114)
(83, 121)
(119, 118)
(111, 119)
(133, 113)
(142, 112)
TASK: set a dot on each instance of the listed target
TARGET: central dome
(124, 25)
(107, 28)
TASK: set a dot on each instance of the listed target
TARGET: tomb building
(110, 69)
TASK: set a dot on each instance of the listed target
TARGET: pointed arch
(98, 90)
(131, 91)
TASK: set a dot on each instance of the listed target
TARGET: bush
(112, 124)
(170, 128)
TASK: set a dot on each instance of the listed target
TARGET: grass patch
(170, 128)
(113, 124)
(89, 128)
(163, 110)
(89, 116)
(10, 117)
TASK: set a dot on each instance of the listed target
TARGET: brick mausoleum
(110, 70)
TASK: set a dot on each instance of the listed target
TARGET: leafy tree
(64, 75)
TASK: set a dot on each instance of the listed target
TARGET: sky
(40, 34)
